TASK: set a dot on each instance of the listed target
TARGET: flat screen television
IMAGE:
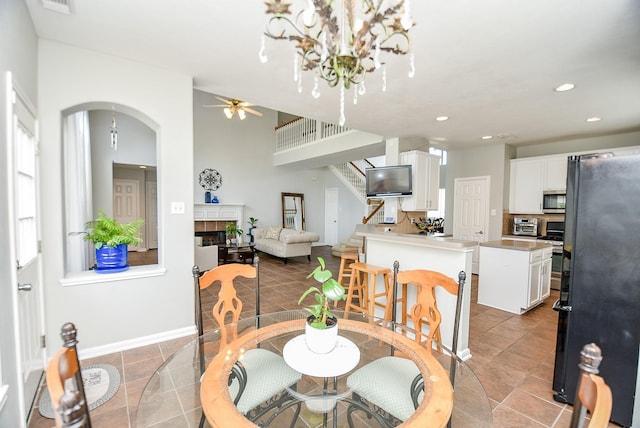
(389, 181)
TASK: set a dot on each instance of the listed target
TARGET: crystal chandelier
(341, 40)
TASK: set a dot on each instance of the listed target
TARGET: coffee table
(236, 253)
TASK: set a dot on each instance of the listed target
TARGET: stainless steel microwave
(554, 201)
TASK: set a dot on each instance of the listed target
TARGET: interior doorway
(471, 212)
(331, 216)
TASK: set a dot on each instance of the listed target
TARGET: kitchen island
(514, 276)
(418, 251)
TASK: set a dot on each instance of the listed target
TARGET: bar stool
(350, 254)
(365, 291)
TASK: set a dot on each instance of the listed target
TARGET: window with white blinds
(25, 167)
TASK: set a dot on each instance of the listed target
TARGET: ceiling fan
(233, 106)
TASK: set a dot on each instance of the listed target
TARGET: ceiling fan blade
(252, 111)
(216, 105)
(223, 100)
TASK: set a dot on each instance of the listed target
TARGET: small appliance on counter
(525, 226)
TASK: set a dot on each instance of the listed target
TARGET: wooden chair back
(229, 306)
(425, 310)
(593, 393)
(64, 382)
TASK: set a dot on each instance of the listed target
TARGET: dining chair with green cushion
(393, 384)
(261, 375)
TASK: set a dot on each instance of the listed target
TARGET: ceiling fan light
(228, 113)
(242, 114)
(565, 87)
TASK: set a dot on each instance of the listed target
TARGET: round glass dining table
(189, 388)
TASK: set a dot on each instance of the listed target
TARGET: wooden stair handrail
(373, 212)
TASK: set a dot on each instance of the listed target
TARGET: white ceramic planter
(321, 341)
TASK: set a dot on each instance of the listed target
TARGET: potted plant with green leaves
(111, 240)
(253, 222)
(234, 234)
(321, 330)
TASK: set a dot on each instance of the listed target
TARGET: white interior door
(126, 202)
(331, 216)
(151, 222)
(24, 240)
(471, 212)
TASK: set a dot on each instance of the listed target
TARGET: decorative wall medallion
(210, 179)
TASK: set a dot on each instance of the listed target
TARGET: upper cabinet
(530, 177)
(426, 180)
(555, 177)
(526, 185)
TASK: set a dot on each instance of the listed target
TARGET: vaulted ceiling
(491, 66)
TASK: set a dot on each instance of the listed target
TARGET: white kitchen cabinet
(514, 276)
(425, 169)
(530, 177)
(555, 177)
(526, 186)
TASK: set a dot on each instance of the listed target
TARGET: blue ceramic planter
(112, 259)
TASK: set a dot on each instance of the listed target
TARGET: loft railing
(302, 130)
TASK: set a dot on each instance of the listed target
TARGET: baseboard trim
(98, 351)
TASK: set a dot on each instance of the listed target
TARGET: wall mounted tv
(389, 181)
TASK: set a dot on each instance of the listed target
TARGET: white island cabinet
(514, 276)
(439, 253)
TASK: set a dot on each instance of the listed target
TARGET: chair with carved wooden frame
(64, 382)
(393, 385)
(593, 393)
(251, 384)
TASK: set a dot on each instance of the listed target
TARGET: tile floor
(512, 355)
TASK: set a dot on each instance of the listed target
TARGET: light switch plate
(177, 207)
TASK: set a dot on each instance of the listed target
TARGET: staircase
(352, 175)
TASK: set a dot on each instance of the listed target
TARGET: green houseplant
(111, 240)
(233, 232)
(321, 329)
(252, 225)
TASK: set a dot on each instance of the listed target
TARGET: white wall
(242, 151)
(111, 312)
(18, 54)
(486, 160)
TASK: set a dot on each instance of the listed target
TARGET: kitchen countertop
(510, 244)
(436, 240)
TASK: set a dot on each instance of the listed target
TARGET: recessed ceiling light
(565, 87)
(594, 119)
(487, 137)
(442, 118)
(439, 139)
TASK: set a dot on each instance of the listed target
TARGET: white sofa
(290, 243)
(206, 258)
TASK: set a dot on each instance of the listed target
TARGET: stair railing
(374, 211)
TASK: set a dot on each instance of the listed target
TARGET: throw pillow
(273, 233)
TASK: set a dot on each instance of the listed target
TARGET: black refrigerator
(600, 287)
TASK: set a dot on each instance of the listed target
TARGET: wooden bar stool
(365, 291)
(349, 255)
